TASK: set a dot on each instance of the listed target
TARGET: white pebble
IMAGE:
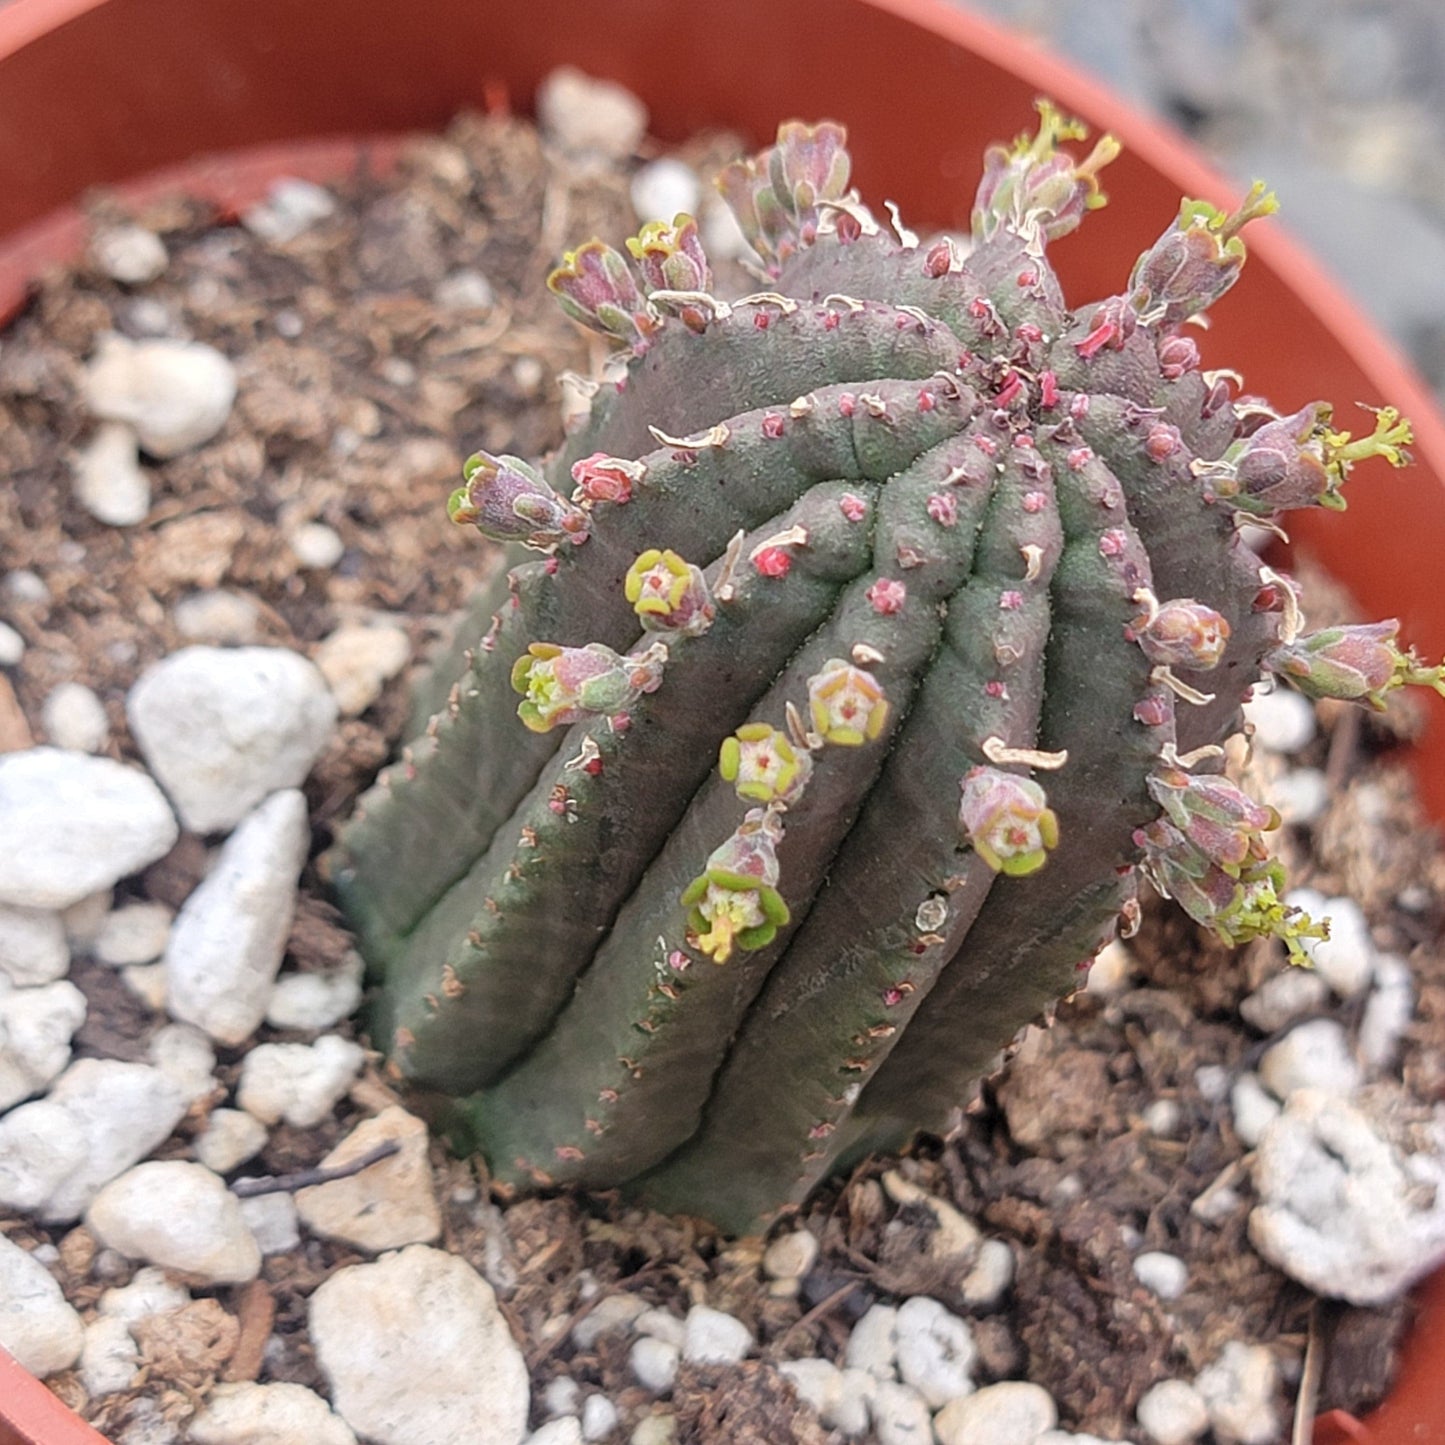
(417, 1352)
(129, 254)
(1239, 1391)
(1162, 1118)
(26, 586)
(712, 1337)
(108, 479)
(133, 933)
(873, 1343)
(565, 1431)
(654, 1363)
(1346, 959)
(71, 824)
(1254, 1109)
(37, 1326)
(147, 981)
(584, 115)
(1011, 1413)
(1283, 998)
(228, 940)
(562, 1395)
(176, 394)
(33, 946)
(12, 646)
(230, 1138)
(273, 1221)
(661, 1325)
(900, 1415)
(299, 1083)
(275, 1414)
(1172, 1412)
(1283, 721)
(317, 546)
(150, 1292)
(1112, 972)
(223, 728)
(615, 1312)
(109, 1359)
(291, 208)
(357, 661)
(988, 1281)
(74, 717)
(654, 1430)
(100, 1117)
(1212, 1081)
(1312, 1055)
(184, 1054)
(179, 1216)
(663, 189)
(388, 1204)
(36, 1026)
(935, 1351)
(1166, 1275)
(1301, 796)
(1341, 1208)
(464, 290)
(1387, 1015)
(850, 1408)
(217, 616)
(791, 1255)
(816, 1381)
(316, 1001)
(599, 1417)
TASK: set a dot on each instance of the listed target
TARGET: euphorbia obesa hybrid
(886, 627)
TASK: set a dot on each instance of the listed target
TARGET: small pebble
(133, 933)
(850, 1408)
(217, 617)
(1280, 1000)
(185, 1056)
(176, 394)
(654, 1430)
(33, 946)
(1162, 1118)
(464, 290)
(791, 1255)
(615, 1312)
(873, 1343)
(654, 1363)
(1312, 1055)
(1253, 1108)
(664, 188)
(713, 1337)
(584, 115)
(291, 208)
(357, 661)
(816, 1381)
(985, 1285)
(12, 646)
(230, 1138)
(129, 254)
(1239, 1391)
(1387, 1015)
(273, 1221)
(1283, 721)
(298, 1083)
(1172, 1413)
(109, 1359)
(661, 1325)
(564, 1431)
(936, 1352)
(147, 981)
(37, 1326)
(150, 1292)
(24, 585)
(1166, 1275)
(1112, 971)
(900, 1415)
(562, 1395)
(109, 481)
(317, 546)
(36, 1026)
(1301, 796)
(1011, 1413)
(599, 1417)
(316, 1001)
(274, 1414)
(74, 717)
(1212, 1081)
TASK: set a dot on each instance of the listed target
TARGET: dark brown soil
(336, 335)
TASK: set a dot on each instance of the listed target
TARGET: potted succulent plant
(293, 78)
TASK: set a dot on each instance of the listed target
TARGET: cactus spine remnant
(885, 628)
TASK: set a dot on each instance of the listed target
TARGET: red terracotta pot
(219, 97)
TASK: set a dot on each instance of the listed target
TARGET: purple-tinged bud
(1007, 820)
(601, 478)
(1297, 461)
(595, 286)
(1177, 356)
(509, 501)
(1183, 633)
(734, 902)
(1354, 664)
(1034, 189)
(846, 704)
(1219, 819)
(671, 258)
(776, 195)
(564, 685)
(763, 765)
(669, 594)
(1195, 261)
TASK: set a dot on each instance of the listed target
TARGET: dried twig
(305, 1178)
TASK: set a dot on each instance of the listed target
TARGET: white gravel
(1312, 1055)
(37, 1326)
(223, 728)
(276, 1414)
(36, 1026)
(1012, 1412)
(176, 394)
(74, 717)
(298, 1083)
(1172, 1412)
(108, 479)
(935, 1351)
(33, 946)
(713, 1337)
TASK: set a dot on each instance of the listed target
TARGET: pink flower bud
(1184, 633)
(509, 501)
(595, 287)
(1359, 663)
(1007, 820)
